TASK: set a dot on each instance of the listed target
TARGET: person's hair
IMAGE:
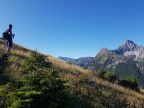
(10, 25)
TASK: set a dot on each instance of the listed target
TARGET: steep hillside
(120, 64)
(86, 89)
(127, 60)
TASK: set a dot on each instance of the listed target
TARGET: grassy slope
(82, 82)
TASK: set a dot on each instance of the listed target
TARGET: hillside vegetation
(125, 61)
(30, 79)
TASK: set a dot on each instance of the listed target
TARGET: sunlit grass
(74, 75)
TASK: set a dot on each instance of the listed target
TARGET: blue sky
(73, 28)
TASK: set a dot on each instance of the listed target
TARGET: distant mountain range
(82, 61)
(127, 60)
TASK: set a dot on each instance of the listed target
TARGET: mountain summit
(126, 46)
(131, 50)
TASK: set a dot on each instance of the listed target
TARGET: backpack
(6, 35)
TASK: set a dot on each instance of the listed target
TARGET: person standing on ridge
(9, 41)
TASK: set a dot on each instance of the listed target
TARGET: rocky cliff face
(126, 47)
(131, 50)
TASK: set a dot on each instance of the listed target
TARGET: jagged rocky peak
(128, 46)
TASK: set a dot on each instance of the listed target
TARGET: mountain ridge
(127, 60)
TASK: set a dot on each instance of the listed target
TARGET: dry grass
(64, 65)
(142, 91)
(72, 73)
(132, 96)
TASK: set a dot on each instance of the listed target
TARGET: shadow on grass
(3, 65)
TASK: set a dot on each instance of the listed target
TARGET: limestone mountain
(127, 60)
(131, 50)
(122, 65)
(126, 47)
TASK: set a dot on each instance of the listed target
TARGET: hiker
(9, 40)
